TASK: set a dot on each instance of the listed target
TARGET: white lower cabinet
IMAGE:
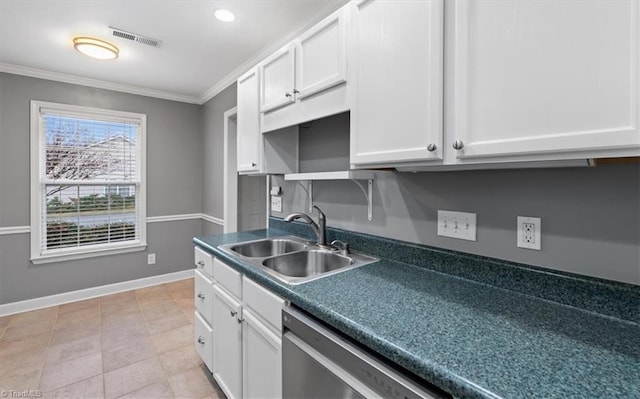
(261, 359)
(203, 288)
(239, 339)
(227, 343)
(203, 340)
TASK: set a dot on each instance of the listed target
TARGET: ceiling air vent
(134, 37)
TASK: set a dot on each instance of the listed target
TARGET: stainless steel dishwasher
(319, 363)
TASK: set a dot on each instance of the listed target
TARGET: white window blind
(90, 180)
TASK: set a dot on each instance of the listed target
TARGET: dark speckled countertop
(465, 336)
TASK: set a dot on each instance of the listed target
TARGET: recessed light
(224, 15)
(95, 48)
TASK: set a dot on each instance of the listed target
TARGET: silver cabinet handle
(233, 314)
(458, 145)
(201, 340)
(253, 164)
(240, 321)
(432, 147)
(287, 94)
(200, 295)
(200, 263)
(295, 91)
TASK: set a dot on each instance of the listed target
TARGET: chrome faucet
(318, 228)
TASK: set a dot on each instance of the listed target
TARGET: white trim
(212, 219)
(174, 218)
(151, 219)
(14, 230)
(230, 173)
(99, 84)
(90, 251)
(42, 255)
(88, 293)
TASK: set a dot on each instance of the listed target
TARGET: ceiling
(199, 55)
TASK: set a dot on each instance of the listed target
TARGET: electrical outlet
(276, 203)
(461, 225)
(529, 232)
(151, 259)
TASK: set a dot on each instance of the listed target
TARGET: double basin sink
(294, 260)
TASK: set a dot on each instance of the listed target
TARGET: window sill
(76, 254)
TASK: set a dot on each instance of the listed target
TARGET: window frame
(38, 181)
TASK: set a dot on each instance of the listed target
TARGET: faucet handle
(342, 246)
(320, 213)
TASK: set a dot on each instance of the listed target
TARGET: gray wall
(590, 216)
(174, 186)
(213, 145)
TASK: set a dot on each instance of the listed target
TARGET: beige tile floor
(135, 344)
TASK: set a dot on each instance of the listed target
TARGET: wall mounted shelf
(353, 175)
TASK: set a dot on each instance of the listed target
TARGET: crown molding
(100, 84)
(206, 96)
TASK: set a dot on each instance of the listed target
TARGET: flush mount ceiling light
(95, 48)
(224, 15)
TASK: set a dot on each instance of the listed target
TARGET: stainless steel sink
(294, 260)
(268, 247)
(307, 263)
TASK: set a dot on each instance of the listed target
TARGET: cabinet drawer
(203, 291)
(203, 261)
(204, 340)
(228, 278)
(265, 303)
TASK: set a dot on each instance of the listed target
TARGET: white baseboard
(73, 296)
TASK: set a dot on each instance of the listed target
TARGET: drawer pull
(233, 314)
(201, 340)
(200, 295)
(201, 263)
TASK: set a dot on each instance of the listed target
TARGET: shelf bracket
(309, 191)
(368, 194)
(355, 176)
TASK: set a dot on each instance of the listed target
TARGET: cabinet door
(248, 134)
(203, 340)
(396, 114)
(262, 359)
(321, 61)
(227, 362)
(203, 291)
(545, 79)
(277, 79)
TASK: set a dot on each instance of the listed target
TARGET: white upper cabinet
(543, 80)
(396, 75)
(276, 152)
(321, 60)
(248, 127)
(306, 80)
(277, 79)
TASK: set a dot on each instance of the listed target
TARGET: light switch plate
(461, 225)
(276, 203)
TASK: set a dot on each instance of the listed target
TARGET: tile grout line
(104, 388)
(155, 352)
(44, 362)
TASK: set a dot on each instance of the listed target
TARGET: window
(87, 182)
